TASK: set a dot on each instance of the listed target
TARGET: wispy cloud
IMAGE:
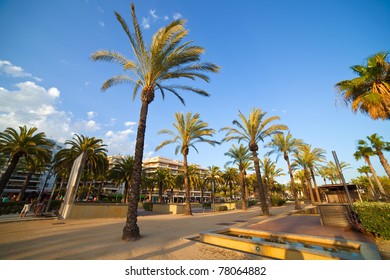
(145, 23)
(8, 69)
(101, 23)
(177, 16)
(154, 18)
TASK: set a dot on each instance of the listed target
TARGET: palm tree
(241, 157)
(213, 179)
(365, 151)
(286, 144)
(370, 91)
(32, 165)
(253, 129)
(366, 170)
(270, 172)
(121, 173)
(190, 130)
(24, 143)
(230, 177)
(166, 59)
(333, 171)
(96, 162)
(378, 145)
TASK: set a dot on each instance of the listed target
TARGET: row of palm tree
(168, 58)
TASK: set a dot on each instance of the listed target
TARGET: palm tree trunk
(383, 161)
(25, 186)
(260, 186)
(188, 210)
(309, 186)
(381, 189)
(8, 172)
(243, 191)
(131, 229)
(315, 185)
(292, 182)
(374, 194)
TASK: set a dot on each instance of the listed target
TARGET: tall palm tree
(366, 170)
(24, 143)
(333, 171)
(121, 173)
(242, 158)
(285, 145)
(270, 172)
(365, 151)
(213, 179)
(190, 131)
(253, 129)
(230, 177)
(167, 58)
(96, 162)
(378, 145)
(32, 165)
(369, 93)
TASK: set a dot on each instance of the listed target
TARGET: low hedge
(148, 206)
(374, 217)
(276, 200)
(221, 208)
(11, 207)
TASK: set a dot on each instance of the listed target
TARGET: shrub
(374, 217)
(11, 207)
(252, 203)
(221, 208)
(206, 205)
(276, 200)
(148, 206)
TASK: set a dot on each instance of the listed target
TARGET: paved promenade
(164, 237)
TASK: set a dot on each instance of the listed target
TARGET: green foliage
(11, 207)
(374, 217)
(221, 208)
(206, 205)
(277, 200)
(252, 203)
(148, 206)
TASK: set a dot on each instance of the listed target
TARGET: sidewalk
(164, 237)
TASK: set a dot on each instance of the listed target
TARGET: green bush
(252, 203)
(148, 206)
(11, 207)
(276, 200)
(374, 217)
(221, 208)
(206, 205)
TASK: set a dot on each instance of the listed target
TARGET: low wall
(96, 211)
(169, 208)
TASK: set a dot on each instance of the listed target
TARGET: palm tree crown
(370, 92)
(20, 144)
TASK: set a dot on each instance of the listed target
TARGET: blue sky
(282, 56)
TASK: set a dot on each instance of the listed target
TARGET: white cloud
(130, 123)
(177, 16)
(100, 9)
(14, 71)
(153, 14)
(91, 115)
(145, 23)
(119, 142)
(101, 23)
(166, 17)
